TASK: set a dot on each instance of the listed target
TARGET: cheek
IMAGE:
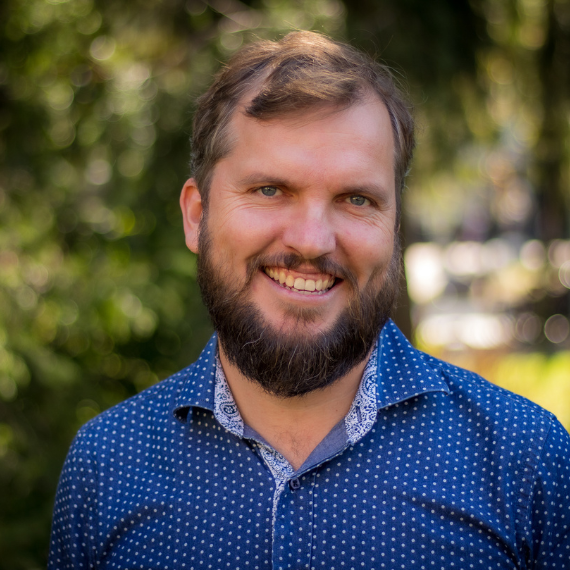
(377, 259)
(243, 232)
(368, 250)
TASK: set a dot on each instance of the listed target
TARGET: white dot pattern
(455, 473)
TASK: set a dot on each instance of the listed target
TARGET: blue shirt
(433, 467)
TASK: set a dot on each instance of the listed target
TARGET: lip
(310, 282)
(303, 296)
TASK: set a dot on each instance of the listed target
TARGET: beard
(288, 365)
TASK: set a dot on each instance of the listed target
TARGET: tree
(98, 297)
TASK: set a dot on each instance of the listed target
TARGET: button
(294, 484)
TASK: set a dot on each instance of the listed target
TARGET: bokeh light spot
(102, 48)
(556, 329)
(98, 172)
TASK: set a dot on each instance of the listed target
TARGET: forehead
(356, 140)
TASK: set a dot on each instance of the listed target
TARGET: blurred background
(98, 298)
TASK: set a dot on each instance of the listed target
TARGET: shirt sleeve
(74, 517)
(550, 515)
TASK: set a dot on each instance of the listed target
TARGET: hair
(301, 71)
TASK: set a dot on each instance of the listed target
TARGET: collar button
(294, 484)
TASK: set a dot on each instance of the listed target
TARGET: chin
(300, 322)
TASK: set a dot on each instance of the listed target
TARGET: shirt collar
(403, 371)
(398, 372)
(198, 382)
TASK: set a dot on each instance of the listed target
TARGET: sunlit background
(98, 298)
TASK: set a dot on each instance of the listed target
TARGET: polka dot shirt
(433, 468)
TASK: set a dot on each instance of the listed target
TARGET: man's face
(298, 242)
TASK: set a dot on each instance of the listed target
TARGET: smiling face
(300, 227)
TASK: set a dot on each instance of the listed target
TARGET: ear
(191, 205)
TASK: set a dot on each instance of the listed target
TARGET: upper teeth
(299, 283)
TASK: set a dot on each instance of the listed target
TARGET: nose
(310, 231)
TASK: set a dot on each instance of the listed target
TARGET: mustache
(292, 261)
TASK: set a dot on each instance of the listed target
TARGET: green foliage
(541, 378)
(98, 298)
(435, 46)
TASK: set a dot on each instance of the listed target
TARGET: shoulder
(137, 418)
(473, 388)
(155, 407)
(524, 444)
(504, 414)
(153, 400)
(524, 438)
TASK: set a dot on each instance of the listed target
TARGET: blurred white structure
(472, 294)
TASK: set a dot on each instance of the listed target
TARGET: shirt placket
(293, 524)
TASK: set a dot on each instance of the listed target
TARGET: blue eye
(268, 190)
(358, 200)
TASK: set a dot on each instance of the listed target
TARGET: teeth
(300, 284)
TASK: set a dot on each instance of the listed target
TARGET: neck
(293, 426)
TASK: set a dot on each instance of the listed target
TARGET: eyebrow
(261, 178)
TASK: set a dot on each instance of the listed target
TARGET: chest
(384, 503)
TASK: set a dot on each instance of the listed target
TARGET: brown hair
(301, 70)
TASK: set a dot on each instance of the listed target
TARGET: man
(309, 433)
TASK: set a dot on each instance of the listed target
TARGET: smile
(288, 281)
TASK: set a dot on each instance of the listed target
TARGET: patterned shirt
(432, 468)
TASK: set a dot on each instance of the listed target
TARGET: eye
(269, 191)
(358, 200)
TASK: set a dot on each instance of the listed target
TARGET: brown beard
(288, 365)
